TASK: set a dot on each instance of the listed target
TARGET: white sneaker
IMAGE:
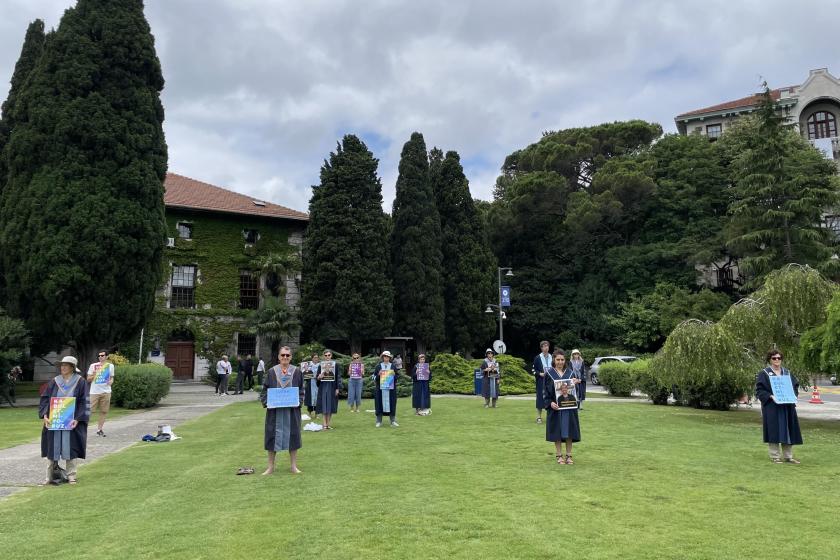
(394, 425)
(378, 424)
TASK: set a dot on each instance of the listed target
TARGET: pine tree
(346, 290)
(33, 46)
(469, 268)
(82, 214)
(415, 250)
(782, 187)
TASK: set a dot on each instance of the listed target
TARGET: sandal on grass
(569, 460)
(777, 460)
(792, 460)
(245, 470)
(560, 460)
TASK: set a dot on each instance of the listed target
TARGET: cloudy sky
(259, 91)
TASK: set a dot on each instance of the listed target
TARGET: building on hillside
(212, 279)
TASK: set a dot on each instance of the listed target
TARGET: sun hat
(575, 351)
(386, 353)
(489, 350)
(72, 361)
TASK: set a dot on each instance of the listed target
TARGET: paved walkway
(22, 466)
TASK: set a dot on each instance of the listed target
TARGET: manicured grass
(21, 424)
(465, 482)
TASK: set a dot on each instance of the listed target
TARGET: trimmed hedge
(619, 378)
(140, 386)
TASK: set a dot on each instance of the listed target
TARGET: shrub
(618, 377)
(140, 386)
(453, 374)
(118, 359)
(652, 381)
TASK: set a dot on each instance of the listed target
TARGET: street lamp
(490, 306)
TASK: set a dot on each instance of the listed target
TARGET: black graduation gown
(377, 393)
(78, 435)
(487, 381)
(563, 424)
(327, 402)
(308, 399)
(581, 388)
(537, 369)
(291, 416)
(780, 422)
(421, 394)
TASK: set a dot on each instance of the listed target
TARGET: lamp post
(490, 306)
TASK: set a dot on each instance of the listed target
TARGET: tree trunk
(355, 344)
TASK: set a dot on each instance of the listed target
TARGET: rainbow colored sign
(386, 379)
(62, 412)
(103, 374)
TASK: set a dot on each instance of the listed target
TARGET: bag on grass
(57, 475)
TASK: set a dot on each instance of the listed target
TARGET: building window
(822, 124)
(713, 131)
(831, 222)
(725, 278)
(251, 235)
(183, 287)
(246, 344)
(184, 230)
(249, 290)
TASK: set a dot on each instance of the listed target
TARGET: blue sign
(505, 296)
(283, 397)
(782, 389)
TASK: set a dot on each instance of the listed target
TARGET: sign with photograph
(328, 369)
(566, 393)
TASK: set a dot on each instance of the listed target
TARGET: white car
(593, 369)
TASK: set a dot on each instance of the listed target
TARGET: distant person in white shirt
(260, 372)
(223, 370)
(100, 377)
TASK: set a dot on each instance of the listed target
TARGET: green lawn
(21, 424)
(465, 482)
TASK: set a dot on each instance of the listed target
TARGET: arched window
(822, 124)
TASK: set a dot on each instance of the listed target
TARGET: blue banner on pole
(505, 296)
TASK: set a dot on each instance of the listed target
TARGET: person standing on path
(68, 444)
(223, 370)
(385, 390)
(260, 372)
(282, 425)
(780, 423)
(542, 362)
(492, 376)
(245, 374)
(100, 377)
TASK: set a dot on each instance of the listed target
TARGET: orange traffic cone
(815, 396)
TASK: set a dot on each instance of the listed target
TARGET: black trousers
(249, 380)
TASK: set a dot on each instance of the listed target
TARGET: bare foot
(296, 470)
(268, 471)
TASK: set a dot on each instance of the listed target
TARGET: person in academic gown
(421, 394)
(327, 401)
(490, 382)
(385, 401)
(779, 421)
(311, 385)
(542, 362)
(282, 425)
(562, 424)
(580, 371)
(65, 444)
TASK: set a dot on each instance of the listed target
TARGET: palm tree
(273, 321)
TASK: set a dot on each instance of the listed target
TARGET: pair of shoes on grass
(245, 470)
(100, 433)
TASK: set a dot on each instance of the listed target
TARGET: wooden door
(180, 358)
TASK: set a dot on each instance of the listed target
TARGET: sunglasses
(102, 355)
(775, 357)
(285, 355)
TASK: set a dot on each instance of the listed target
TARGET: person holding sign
(281, 396)
(100, 377)
(777, 389)
(64, 410)
(328, 378)
(490, 382)
(560, 394)
(542, 362)
(421, 394)
(355, 375)
(385, 390)
(311, 393)
(579, 370)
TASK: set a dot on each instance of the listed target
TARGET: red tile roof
(183, 192)
(744, 102)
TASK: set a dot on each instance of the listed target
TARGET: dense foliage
(452, 373)
(82, 208)
(140, 386)
(14, 339)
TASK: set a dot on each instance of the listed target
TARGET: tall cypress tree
(346, 290)
(415, 250)
(469, 268)
(82, 214)
(33, 46)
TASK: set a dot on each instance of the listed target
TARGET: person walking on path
(223, 370)
(542, 362)
(385, 390)
(328, 378)
(68, 443)
(780, 423)
(282, 425)
(562, 423)
(100, 377)
(490, 382)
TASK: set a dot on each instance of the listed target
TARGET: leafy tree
(346, 288)
(82, 211)
(14, 339)
(416, 250)
(274, 321)
(782, 187)
(277, 267)
(469, 268)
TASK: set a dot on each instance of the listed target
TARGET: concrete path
(22, 466)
